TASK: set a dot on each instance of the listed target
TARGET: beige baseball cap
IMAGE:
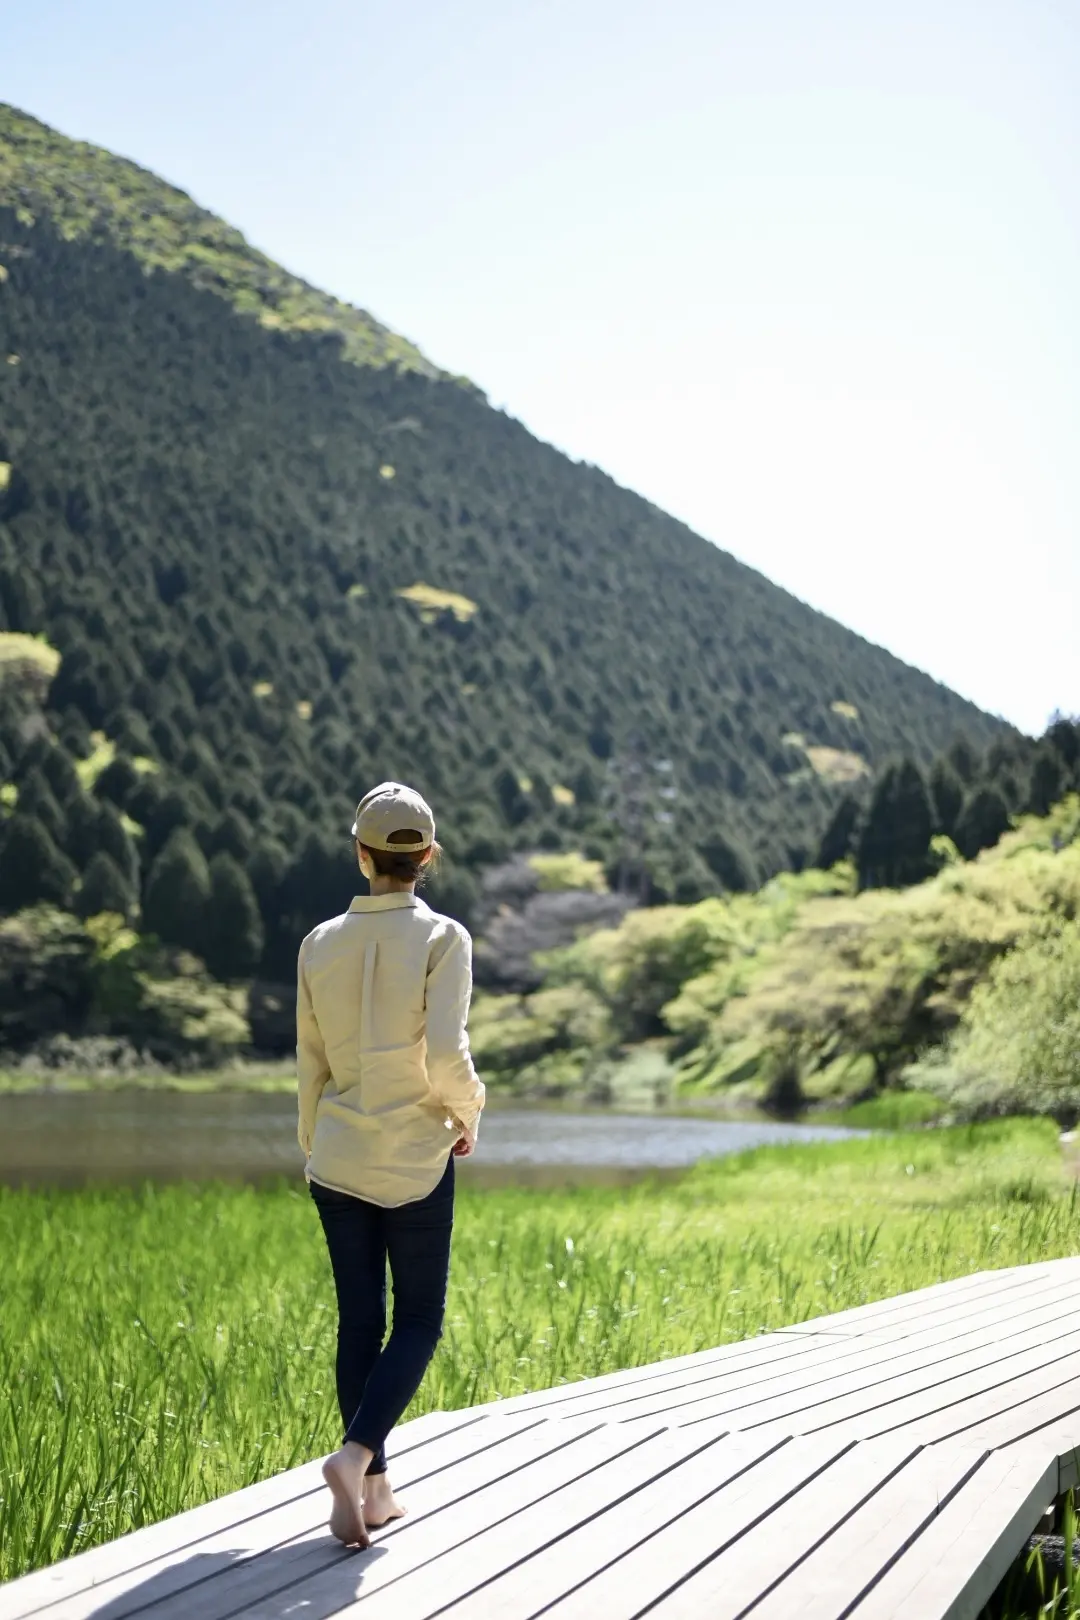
(394, 808)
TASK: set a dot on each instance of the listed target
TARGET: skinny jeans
(376, 1381)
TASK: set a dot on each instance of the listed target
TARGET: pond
(55, 1138)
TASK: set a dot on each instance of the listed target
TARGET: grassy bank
(163, 1346)
(266, 1077)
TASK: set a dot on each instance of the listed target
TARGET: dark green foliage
(46, 976)
(455, 891)
(118, 782)
(104, 888)
(93, 827)
(1063, 735)
(193, 573)
(178, 892)
(838, 839)
(59, 771)
(36, 798)
(981, 822)
(895, 837)
(1047, 780)
(32, 869)
(728, 862)
(946, 796)
(234, 929)
(964, 759)
(233, 835)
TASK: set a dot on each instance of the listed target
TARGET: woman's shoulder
(441, 928)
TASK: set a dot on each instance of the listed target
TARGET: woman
(388, 1097)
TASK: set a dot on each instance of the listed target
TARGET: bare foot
(344, 1474)
(380, 1503)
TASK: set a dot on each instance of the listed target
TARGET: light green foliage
(893, 1111)
(572, 870)
(161, 1347)
(87, 192)
(432, 601)
(102, 754)
(1018, 1045)
(198, 1012)
(641, 968)
(883, 973)
(17, 649)
(540, 1042)
(164, 997)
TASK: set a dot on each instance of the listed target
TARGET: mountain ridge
(104, 195)
(274, 572)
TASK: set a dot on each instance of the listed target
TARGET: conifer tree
(234, 933)
(946, 795)
(104, 888)
(115, 841)
(32, 868)
(981, 822)
(895, 837)
(178, 893)
(36, 798)
(1047, 781)
(233, 835)
(839, 836)
(59, 771)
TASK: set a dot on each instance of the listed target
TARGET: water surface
(76, 1137)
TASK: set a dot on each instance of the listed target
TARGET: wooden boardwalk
(889, 1460)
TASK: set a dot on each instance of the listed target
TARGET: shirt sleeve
(312, 1069)
(451, 1074)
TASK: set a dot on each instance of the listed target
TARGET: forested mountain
(274, 555)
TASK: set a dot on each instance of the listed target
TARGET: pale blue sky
(805, 274)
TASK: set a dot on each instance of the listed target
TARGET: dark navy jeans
(376, 1382)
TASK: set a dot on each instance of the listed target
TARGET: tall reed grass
(164, 1345)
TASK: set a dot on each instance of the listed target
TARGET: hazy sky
(807, 275)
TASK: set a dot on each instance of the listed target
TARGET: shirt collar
(384, 902)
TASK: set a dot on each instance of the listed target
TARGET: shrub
(46, 975)
(1017, 1049)
(568, 871)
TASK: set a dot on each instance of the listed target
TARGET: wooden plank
(573, 1560)
(733, 1580)
(290, 1546)
(991, 1412)
(171, 1559)
(1010, 1413)
(899, 1308)
(420, 1564)
(635, 1582)
(997, 1290)
(954, 1567)
(858, 1365)
(829, 1584)
(906, 1398)
(172, 1536)
(763, 1348)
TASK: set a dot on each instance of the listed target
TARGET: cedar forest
(257, 553)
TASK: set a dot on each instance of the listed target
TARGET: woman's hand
(464, 1145)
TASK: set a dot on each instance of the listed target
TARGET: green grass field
(162, 1346)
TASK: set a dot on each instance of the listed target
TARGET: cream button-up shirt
(385, 1079)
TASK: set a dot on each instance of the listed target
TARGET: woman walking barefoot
(388, 1097)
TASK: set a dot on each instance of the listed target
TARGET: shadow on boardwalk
(278, 1583)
